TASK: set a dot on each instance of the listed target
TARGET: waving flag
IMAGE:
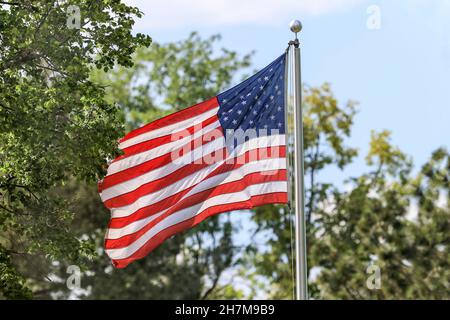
(227, 153)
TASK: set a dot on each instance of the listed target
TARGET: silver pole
(300, 228)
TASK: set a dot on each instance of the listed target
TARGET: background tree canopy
(67, 95)
(55, 126)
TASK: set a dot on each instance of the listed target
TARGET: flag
(226, 153)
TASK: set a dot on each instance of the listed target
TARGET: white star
(272, 117)
(280, 124)
(242, 97)
(261, 87)
(271, 69)
(251, 122)
(266, 78)
(244, 102)
(265, 126)
(234, 121)
(239, 111)
(259, 102)
(279, 108)
(230, 111)
(225, 100)
(225, 119)
(279, 92)
(255, 112)
(224, 113)
(267, 106)
(249, 94)
(276, 87)
(271, 97)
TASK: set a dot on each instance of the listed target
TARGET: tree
(55, 126)
(164, 78)
(369, 225)
(326, 125)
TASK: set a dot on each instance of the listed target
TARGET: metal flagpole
(300, 228)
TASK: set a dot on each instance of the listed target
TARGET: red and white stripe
(153, 195)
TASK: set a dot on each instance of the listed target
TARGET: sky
(393, 57)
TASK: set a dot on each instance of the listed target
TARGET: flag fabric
(227, 153)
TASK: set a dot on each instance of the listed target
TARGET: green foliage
(12, 284)
(55, 122)
(371, 224)
(164, 78)
(326, 125)
(170, 77)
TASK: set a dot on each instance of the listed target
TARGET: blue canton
(257, 103)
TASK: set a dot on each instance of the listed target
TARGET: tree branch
(211, 289)
(312, 181)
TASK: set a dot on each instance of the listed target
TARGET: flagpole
(300, 227)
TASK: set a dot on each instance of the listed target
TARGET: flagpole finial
(295, 26)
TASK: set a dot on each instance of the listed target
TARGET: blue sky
(399, 73)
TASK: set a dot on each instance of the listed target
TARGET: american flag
(227, 153)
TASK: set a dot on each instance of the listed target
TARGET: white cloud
(165, 14)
